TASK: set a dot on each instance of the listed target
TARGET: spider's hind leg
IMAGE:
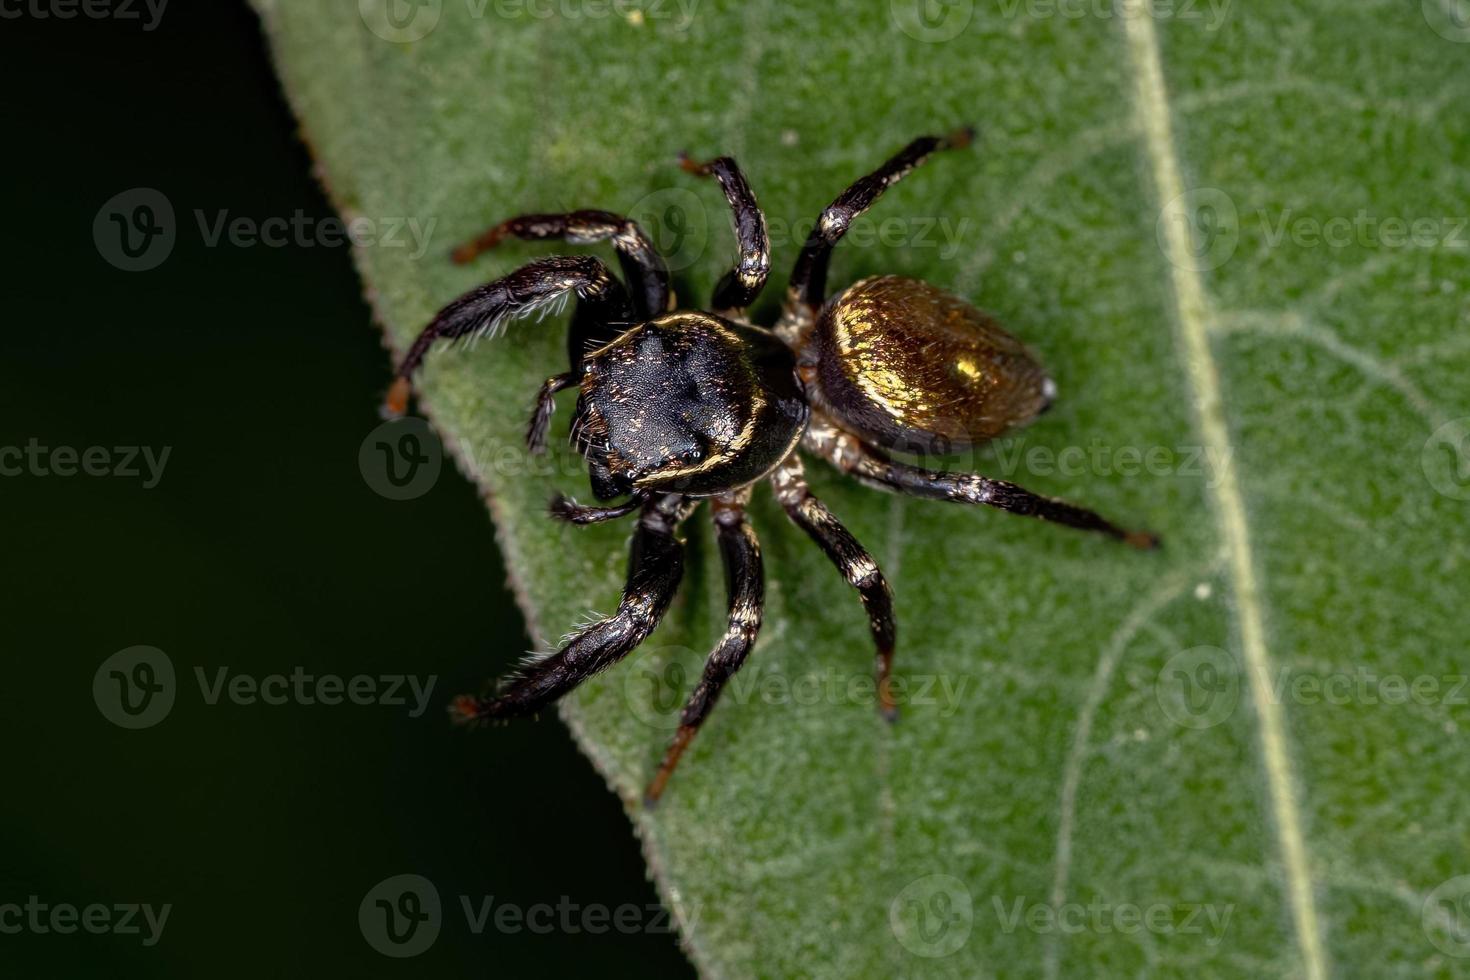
(876, 469)
(655, 566)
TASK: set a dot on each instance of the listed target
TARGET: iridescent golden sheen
(909, 366)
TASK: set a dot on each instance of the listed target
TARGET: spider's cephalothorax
(677, 406)
(688, 403)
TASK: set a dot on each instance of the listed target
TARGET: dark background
(261, 549)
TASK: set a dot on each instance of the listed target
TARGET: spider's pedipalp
(852, 560)
(564, 508)
(545, 407)
(745, 587)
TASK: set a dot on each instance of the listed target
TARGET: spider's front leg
(877, 469)
(655, 566)
(601, 299)
(745, 586)
(643, 267)
(852, 560)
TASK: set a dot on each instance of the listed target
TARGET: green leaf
(1237, 239)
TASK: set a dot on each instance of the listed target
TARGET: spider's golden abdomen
(910, 367)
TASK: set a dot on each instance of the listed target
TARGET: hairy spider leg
(742, 284)
(808, 285)
(875, 468)
(655, 566)
(643, 268)
(745, 588)
(601, 300)
(852, 560)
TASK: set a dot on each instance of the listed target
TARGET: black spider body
(679, 406)
(688, 403)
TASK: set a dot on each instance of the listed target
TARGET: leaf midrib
(1192, 316)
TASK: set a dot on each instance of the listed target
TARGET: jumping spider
(681, 405)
